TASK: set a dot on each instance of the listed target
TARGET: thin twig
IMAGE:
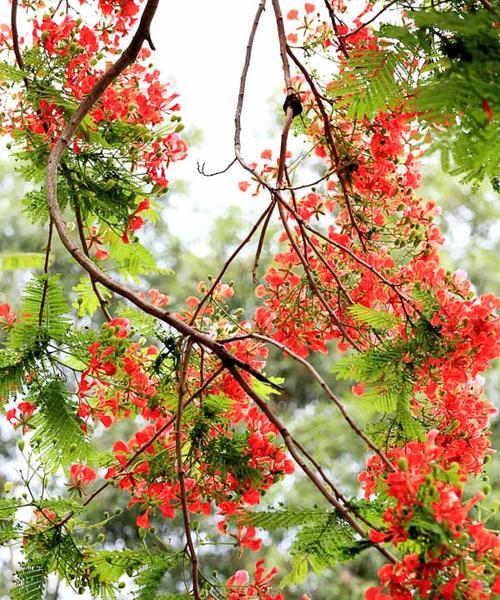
(15, 36)
(310, 276)
(334, 154)
(201, 169)
(48, 248)
(262, 238)
(93, 283)
(282, 41)
(228, 262)
(333, 19)
(376, 16)
(188, 344)
(357, 430)
(241, 92)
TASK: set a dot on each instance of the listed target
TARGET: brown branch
(313, 247)
(283, 146)
(363, 25)
(489, 6)
(262, 238)
(282, 41)
(15, 36)
(48, 248)
(228, 262)
(180, 468)
(201, 169)
(310, 277)
(241, 92)
(334, 155)
(333, 19)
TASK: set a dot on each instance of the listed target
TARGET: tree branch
(180, 467)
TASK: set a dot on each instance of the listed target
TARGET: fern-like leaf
(149, 579)
(30, 580)
(374, 318)
(87, 302)
(43, 311)
(58, 438)
(373, 80)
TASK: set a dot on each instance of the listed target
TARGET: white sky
(203, 53)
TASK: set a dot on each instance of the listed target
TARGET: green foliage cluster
(443, 66)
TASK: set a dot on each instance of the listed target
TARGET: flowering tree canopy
(94, 129)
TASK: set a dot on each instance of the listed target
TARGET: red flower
(79, 477)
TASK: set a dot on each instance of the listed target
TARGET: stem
(180, 469)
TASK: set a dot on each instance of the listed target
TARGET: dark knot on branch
(293, 101)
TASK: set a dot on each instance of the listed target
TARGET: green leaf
(283, 518)
(87, 302)
(43, 311)
(8, 507)
(373, 80)
(9, 72)
(30, 580)
(264, 390)
(21, 260)
(149, 579)
(321, 544)
(133, 259)
(374, 318)
(12, 369)
(58, 438)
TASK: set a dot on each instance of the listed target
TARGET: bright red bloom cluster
(120, 381)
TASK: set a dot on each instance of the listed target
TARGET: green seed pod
(403, 463)
(7, 487)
